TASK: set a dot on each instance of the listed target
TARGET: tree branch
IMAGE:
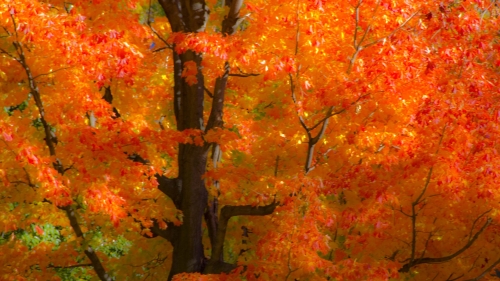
(215, 119)
(208, 92)
(243, 74)
(51, 141)
(170, 187)
(48, 73)
(156, 33)
(393, 32)
(70, 266)
(227, 212)
(173, 11)
(406, 267)
(232, 20)
(485, 271)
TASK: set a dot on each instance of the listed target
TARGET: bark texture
(188, 190)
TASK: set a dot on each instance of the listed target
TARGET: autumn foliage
(249, 140)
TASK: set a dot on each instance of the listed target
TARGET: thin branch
(402, 212)
(337, 112)
(454, 279)
(356, 25)
(2, 51)
(48, 73)
(485, 271)
(426, 244)
(427, 181)
(276, 166)
(15, 27)
(393, 32)
(6, 30)
(290, 270)
(407, 266)
(70, 266)
(243, 75)
(414, 216)
(154, 31)
(297, 32)
(161, 49)
(475, 221)
(208, 92)
(441, 138)
(294, 98)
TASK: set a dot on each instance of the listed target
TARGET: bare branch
(243, 75)
(48, 73)
(227, 212)
(215, 119)
(331, 114)
(414, 216)
(208, 92)
(161, 49)
(70, 266)
(294, 98)
(485, 271)
(406, 267)
(426, 244)
(276, 166)
(456, 278)
(441, 138)
(475, 221)
(356, 24)
(2, 51)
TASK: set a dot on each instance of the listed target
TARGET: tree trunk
(188, 249)
(188, 191)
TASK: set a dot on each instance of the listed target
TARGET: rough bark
(188, 191)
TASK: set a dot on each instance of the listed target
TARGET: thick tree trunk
(189, 16)
(188, 249)
(188, 191)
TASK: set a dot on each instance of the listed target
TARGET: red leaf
(7, 137)
(39, 230)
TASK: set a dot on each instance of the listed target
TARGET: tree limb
(215, 119)
(232, 20)
(406, 267)
(70, 266)
(51, 142)
(173, 11)
(48, 73)
(485, 271)
(227, 212)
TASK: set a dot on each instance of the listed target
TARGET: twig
(70, 266)
(154, 31)
(243, 74)
(393, 32)
(485, 271)
(48, 73)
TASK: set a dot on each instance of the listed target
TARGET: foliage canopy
(249, 140)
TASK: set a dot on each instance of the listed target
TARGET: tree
(337, 140)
